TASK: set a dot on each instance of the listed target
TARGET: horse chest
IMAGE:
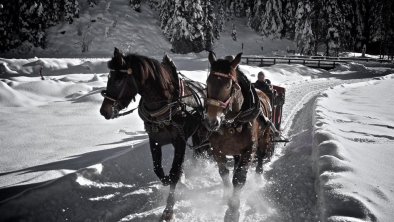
(161, 134)
(233, 140)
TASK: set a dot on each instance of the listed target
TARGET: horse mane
(147, 68)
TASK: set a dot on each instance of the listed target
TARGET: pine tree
(9, 26)
(30, 23)
(387, 43)
(219, 21)
(209, 18)
(71, 10)
(271, 24)
(188, 33)
(167, 17)
(154, 4)
(92, 3)
(256, 16)
(240, 8)
(288, 14)
(136, 5)
(350, 25)
(334, 26)
(303, 30)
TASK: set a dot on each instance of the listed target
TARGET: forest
(316, 26)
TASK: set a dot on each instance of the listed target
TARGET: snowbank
(353, 139)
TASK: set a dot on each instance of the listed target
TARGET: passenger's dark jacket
(263, 86)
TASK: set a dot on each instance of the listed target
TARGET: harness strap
(104, 94)
(224, 75)
(218, 103)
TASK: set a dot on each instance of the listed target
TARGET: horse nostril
(105, 114)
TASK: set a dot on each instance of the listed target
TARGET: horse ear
(211, 57)
(236, 61)
(117, 53)
(118, 56)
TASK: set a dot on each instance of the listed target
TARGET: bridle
(116, 104)
(226, 105)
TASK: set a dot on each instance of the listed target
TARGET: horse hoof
(167, 215)
(165, 181)
(259, 170)
(231, 216)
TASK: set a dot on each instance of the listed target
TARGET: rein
(156, 113)
(118, 114)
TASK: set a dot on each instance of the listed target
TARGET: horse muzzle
(110, 110)
(212, 124)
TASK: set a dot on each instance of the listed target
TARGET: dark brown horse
(234, 111)
(170, 108)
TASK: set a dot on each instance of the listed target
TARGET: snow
(60, 160)
(353, 138)
(67, 157)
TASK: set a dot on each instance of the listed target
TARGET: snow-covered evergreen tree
(230, 10)
(71, 10)
(334, 23)
(8, 26)
(220, 20)
(31, 25)
(303, 28)
(240, 8)
(256, 15)
(136, 5)
(271, 24)
(188, 35)
(288, 14)
(154, 4)
(93, 3)
(209, 18)
(167, 17)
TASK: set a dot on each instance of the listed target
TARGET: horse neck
(153, 95)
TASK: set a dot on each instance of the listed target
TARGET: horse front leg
(260, 158)
(175, 174)
(239, 179)
(224, 174)
(155, 149)
(168, 213)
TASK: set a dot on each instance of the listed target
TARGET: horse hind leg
(263, 150)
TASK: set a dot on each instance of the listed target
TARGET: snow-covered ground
(52, 129)
(61, 161)
(354, 145)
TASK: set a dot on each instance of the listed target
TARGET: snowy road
(124, 187)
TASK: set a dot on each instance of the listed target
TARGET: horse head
(222, 84)
(122, 86)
